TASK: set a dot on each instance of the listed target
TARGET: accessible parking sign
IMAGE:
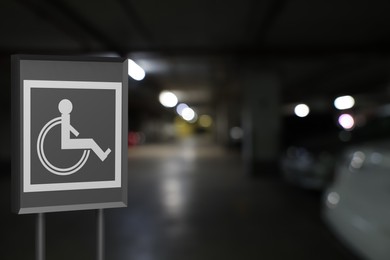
(70, 133)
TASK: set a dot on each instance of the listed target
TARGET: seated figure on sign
(65, 107)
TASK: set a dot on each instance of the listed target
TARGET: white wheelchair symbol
(67, 143)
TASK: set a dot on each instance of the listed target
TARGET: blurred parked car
(311, 149)
(357, 204)
(308, 168)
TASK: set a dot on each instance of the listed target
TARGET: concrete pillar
(261, 121)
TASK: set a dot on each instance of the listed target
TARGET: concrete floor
(187, 201)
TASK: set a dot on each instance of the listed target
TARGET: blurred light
(168, 99)
(333, 199)
(346, 121)
(135, 71)
(188, 114)
(205, 121)
(301, 110)
(344, 102)
(357, 160)
(133, 138)
(180, 107)
(236, 133)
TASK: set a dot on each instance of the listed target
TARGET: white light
(333, 199)
(357, 160)
(180, 107)
(344, 102)
(168, 99)
(135, 71)
(346, 121)
(188, 114)
(301, 110)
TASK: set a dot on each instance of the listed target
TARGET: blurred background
(257, 129)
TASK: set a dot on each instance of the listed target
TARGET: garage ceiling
(320, 48)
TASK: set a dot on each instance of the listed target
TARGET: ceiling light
(344, 102)
(180, 107)
(135, 71)
(346, 121)
(301, 110)
(168, 99)
(188, 114)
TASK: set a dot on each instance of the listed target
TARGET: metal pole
(100, 234)
(40, 239)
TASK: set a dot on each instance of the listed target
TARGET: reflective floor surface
(187, 201)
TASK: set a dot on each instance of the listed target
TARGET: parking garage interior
(241, 118)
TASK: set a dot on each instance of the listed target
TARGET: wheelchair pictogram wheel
(45, 162)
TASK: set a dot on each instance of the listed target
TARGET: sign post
(69, 137)
(100, 234)
(40, 240)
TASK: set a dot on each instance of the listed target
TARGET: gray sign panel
(70, 133)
